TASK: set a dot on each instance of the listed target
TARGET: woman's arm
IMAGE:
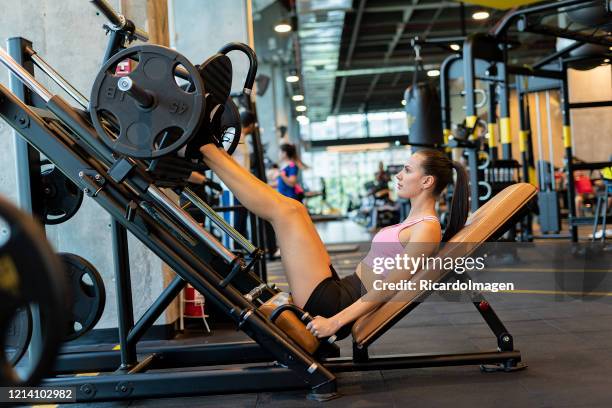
(290, 180)
(322, 327)
(425, 233)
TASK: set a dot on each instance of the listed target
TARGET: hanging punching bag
(424, 116)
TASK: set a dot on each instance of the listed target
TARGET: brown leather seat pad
(479, 227)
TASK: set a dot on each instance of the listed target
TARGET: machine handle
(301, 314)
(250, 79)
(119, 21)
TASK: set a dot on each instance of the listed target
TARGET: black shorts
(333, 295)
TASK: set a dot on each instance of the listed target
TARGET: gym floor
(566, 345)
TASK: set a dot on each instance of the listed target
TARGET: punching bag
(424, 116)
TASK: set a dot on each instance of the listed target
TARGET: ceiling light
(433, 73)
(455, 47)
(480, 15)
(301, 108)
(283, 27)
(292, 78)
(357, 148)
(403, 102)
(297, 98)
(607, 60)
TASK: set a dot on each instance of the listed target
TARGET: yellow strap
(567, 136)
(523, 137)
(492, 138)
(504, 130)
(470, 123)
(446, 134)
(533, 179)
(117, 347)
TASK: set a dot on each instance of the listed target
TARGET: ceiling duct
(320, 33)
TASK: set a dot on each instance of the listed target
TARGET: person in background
(381, 179)
(288, 175)
(583, 187)
(272, 175)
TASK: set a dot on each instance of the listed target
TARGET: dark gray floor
(566, 342)
(566, 345)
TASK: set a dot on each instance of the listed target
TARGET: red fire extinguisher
(194, 302)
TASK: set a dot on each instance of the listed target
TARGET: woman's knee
(289, 208)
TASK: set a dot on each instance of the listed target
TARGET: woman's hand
(322, 327)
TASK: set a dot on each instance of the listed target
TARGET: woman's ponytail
(459, 204)
(438, 164)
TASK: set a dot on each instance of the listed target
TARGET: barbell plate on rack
(61, 198)
(18, 336)
(30, 275)
(147, 132)
(88, 295)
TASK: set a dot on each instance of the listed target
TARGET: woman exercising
(336, 303)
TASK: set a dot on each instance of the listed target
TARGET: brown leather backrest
(479, 227)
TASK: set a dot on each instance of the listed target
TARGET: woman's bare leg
(304, 257)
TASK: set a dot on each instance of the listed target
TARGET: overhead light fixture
(433, 73)
(357, 148)
(297, 98)
(403, 102)
(301, 108)
(607, 60)
(455, 47)
(303, 119)
(292, 78)
(480, 15)
(283, 27)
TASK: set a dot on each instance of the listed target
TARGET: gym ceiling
(356, 56)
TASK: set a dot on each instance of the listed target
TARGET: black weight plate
(60, 196)
(88, 295)
(230, 127)
(17, 338)
(30, 273)
(174, 116)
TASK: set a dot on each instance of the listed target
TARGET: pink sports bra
(386, 242)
